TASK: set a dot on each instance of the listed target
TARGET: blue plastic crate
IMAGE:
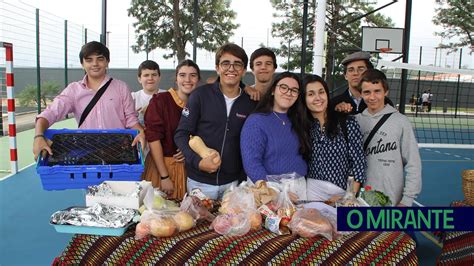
(70, 176)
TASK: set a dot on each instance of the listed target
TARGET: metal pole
(38, 67)
(303, 38)
(319, 37)
(9, 77)
(85, 35)
(65, 55)
(418, 82)
(406, 49)
(103, 36)
(457, 86)
(195, 28)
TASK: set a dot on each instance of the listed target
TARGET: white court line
(10, 175)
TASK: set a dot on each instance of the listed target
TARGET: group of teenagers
(282, 124)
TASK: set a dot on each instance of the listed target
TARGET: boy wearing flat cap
(350, 101)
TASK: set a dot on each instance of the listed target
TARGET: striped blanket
(205, 247)
(458, 247)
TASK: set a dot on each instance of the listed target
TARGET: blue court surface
(28, 239)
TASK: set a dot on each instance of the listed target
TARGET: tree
(168, 24)
(455, 16)
(342, 37)
(28, 96)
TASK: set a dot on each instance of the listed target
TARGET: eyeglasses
(285, 89)
(225, 65)
(358, 70)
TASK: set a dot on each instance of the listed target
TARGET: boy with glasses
(216, 112)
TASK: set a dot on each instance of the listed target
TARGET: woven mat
(458, 247)
(203, 246)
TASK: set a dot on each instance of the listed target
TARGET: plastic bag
(349, 198)
(262, 193)
(195, 206)
(296, 183)
(162, 218)
(156, 200)
(238, 213)
(310, 223)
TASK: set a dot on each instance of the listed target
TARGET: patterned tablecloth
(458, 247)
(203, 246)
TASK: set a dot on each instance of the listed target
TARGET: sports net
(439, 101)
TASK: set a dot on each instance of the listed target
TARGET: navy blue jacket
(205, 115)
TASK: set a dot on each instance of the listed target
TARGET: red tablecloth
(458, 247)
(203, 246)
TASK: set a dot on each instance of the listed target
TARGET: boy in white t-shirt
(149, 77)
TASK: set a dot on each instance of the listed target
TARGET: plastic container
(120, 161)
(90, 230)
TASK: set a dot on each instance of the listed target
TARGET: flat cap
(356, 56)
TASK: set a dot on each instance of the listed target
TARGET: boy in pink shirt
(114, 109)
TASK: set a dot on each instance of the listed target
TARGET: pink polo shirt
(115, 109)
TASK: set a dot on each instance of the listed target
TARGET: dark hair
(189, 63)
(94, 47)
(234, 50)
(261, 52)
(296, 113)
(148, 64)
(368, 64)
(373, 76)
(335, 121)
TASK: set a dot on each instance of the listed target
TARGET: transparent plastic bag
(238, 213)
(296, 183)
(194, 206)
(349, 198)
(161, 218)
(310, 223)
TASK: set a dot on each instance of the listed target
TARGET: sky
(254, 17)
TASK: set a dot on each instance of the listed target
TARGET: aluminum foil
(105, 190)
(98, 215)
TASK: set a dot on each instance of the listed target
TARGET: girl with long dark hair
(336, 145)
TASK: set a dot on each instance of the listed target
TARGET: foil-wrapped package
(98, 215)
(105, 190)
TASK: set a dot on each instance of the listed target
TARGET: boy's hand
(343, 107)
(253, 93)
(40, 144)
(207, 164)
(179, 156)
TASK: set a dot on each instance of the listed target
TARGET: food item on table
(183, 220)
(198, 146)
(163, 227)
(309, 223)
(376, 198)
(255, 220)
(194, 206)
(142, 230)
(262, 193)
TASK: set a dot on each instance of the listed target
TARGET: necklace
(282, 121)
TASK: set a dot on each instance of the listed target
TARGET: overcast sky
(254, 17)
